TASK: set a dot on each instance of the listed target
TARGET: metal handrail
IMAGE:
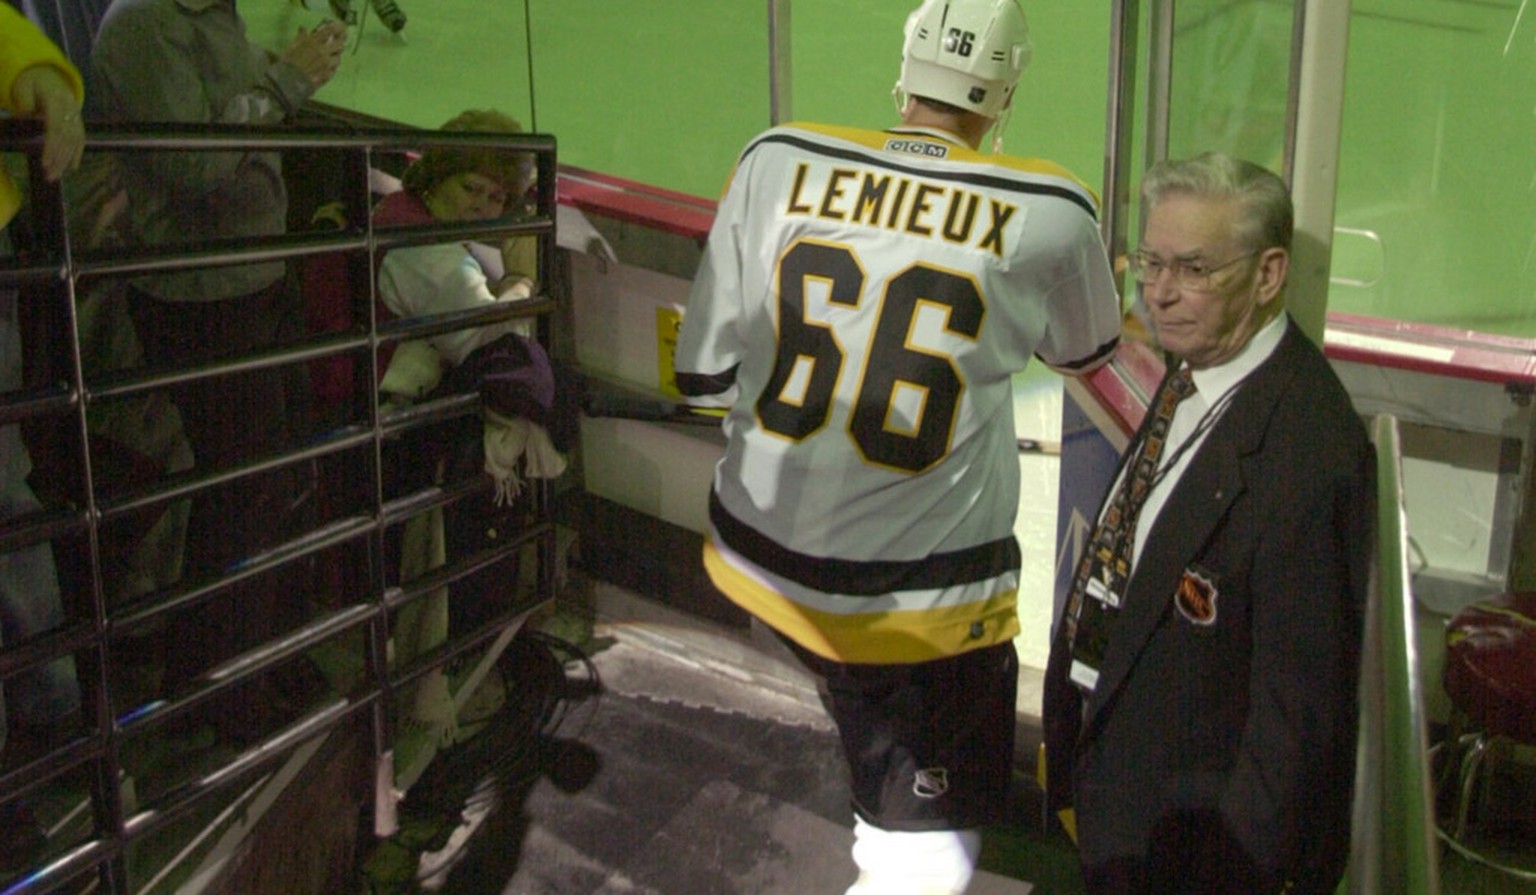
(1394, 850)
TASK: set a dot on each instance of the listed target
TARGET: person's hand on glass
(317, 53)
(43, 91)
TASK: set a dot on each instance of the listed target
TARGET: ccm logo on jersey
(918, 147)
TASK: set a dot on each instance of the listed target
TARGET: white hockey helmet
(968, 53)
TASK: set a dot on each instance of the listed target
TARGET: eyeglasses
(1196, 275)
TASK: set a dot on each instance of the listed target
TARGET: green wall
(667, 92)
(1437, 177)
(1435, 212)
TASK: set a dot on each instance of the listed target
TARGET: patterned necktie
(1102, 573)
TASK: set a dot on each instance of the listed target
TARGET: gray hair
(1267, 218)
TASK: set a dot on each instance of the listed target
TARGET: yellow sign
(668, 322)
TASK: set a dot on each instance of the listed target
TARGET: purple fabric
(514, 377)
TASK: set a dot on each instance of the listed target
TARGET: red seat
(1490, 677)
(1490, 665)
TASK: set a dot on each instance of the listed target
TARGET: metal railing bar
(1393, 841)
(183, 799)
(55, 643)
(293, 643)
(344, 436)
(57, 762)
(139, 380)
(160, 137)
(67, 868)
(96, 264)
(310, 725)
(395, 422)
(33, 272)
(148, 608)
(102, 263)
(493, 630)
(40, 526)
(449, 321)
(147, 379)
(246, 666)
(174, 487)
(468, 643)
(113, 505)
(448, 573)
(20, 405)
(404, 507)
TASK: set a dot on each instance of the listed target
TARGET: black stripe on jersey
(1099, 353)
(701, 384)
(1001, 183)
(864, 578)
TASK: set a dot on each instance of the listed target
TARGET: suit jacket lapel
(1210, 483)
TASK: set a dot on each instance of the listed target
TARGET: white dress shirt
(1212, 388)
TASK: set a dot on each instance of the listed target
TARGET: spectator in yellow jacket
(37, 80)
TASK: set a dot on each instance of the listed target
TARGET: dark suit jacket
(1220, 756)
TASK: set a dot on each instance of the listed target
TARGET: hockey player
(864, 300)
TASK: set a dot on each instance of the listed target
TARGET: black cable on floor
(497, 766)
(545, 677)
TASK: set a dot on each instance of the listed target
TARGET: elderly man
(1200, 695)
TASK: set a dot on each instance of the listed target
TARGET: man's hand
(317, 53)
(43, 91)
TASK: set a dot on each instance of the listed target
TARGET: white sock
(937, 862)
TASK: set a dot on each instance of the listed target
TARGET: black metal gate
(139, 786)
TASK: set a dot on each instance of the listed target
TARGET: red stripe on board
(623, 200)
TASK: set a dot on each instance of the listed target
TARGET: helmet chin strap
(900, 97)
(997, 130)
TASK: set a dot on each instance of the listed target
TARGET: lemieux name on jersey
(891, 201)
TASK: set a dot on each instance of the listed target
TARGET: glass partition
(1435, 222)
(1432, 214)
(1229, 80)
(654, 91)
(448, 57)
(667, 93)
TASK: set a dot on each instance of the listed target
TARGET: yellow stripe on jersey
(957, 152)
(877, 637)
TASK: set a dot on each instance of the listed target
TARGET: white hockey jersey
(864, 300)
